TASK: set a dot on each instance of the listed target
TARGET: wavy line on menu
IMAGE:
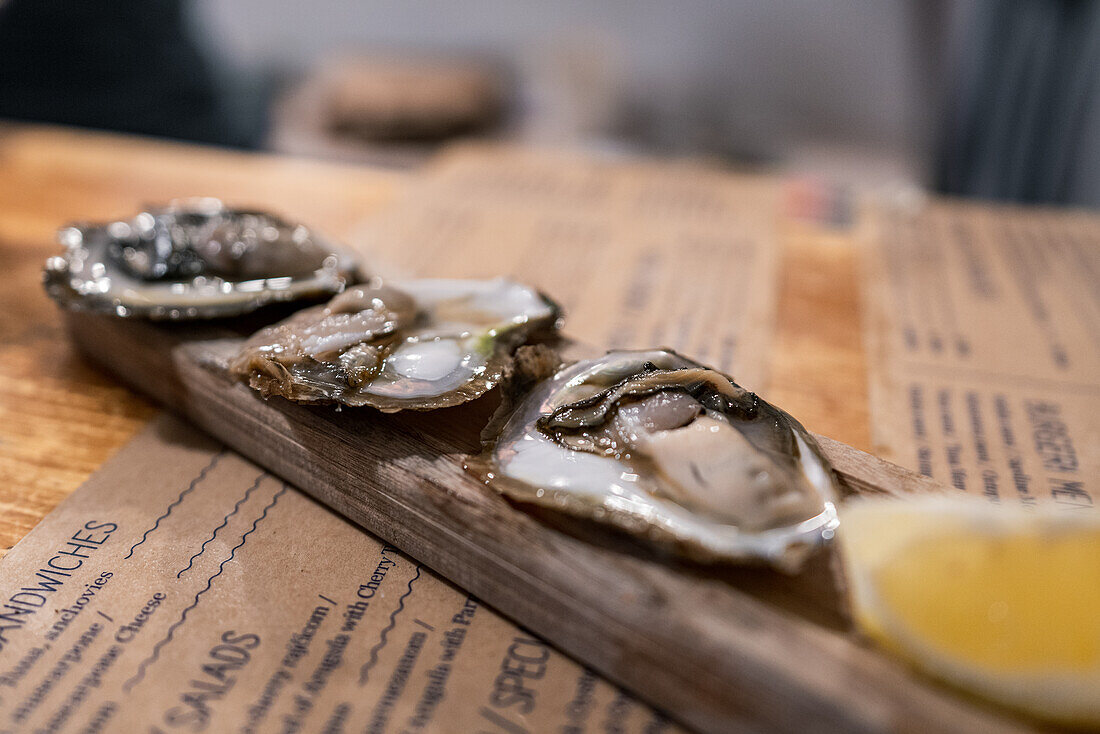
(224, 522)
(365, 670)
(137, 677)
(172, 505)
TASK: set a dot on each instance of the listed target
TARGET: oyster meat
(664, 448)
(416, 344)
(193, 259)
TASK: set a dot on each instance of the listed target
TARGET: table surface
(60, 418)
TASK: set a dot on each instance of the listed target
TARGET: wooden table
(61, 418)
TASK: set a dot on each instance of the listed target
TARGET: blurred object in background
(575, 91)
(387, 110)
(391, 99)
(987, 98)
(1022, 119)
(128, 65)
(740, 81)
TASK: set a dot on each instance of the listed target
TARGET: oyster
(664, 448)
(417, 344)
(193, 259)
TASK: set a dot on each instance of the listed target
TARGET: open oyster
(193, 259)
(664, 448)
(418, 344)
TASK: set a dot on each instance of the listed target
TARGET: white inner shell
(526, 454)
(464, 317)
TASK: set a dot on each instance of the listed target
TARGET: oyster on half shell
(416, 344)
(664, 448)
(193, 259)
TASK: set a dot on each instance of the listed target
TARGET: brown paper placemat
(206, 596)
(639, 253)
(983, 327)
(184, 589)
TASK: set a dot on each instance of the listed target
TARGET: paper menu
(983, 328)
(639, 254)
(184, 589)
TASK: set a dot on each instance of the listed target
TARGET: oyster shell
(193, 259)
(417, 344)
(664, 448)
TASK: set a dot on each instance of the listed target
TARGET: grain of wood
(818, 366)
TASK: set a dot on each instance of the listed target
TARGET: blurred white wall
(756, 79)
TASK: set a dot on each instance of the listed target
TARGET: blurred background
(984, 98)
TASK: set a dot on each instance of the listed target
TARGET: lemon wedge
(1003, 602)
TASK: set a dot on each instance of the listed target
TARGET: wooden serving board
(718, 649)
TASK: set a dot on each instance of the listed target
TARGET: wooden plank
(691, 641)
(863, 473)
